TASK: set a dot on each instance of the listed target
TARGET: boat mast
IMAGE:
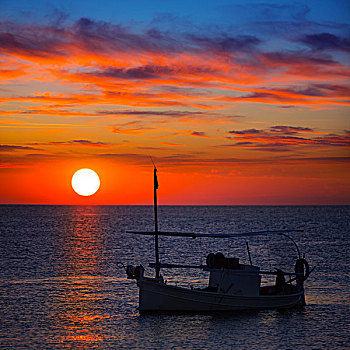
(156, 222)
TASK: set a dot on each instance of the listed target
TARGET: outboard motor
(302, 270)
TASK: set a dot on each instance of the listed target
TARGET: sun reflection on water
(80, 309)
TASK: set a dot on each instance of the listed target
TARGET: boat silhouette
(232, 285)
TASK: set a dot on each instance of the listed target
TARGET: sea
(63, 283)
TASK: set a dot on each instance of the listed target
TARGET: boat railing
(201, 266)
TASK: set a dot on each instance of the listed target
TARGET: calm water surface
(61, 284)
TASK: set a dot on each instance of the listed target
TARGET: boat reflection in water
(232, 285)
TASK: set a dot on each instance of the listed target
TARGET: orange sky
(229, 117)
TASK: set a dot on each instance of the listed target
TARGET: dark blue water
(61, 285)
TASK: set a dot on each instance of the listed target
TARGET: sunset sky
(237, 102)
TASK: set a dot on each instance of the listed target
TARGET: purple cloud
(247, 131)
(298, 57)
(104, 37)
(74, 142)
(24, 41)
(224, 43)
(326, 41)
(154, 113)
(147, 72)
(282, 138)
(289, 130)
(198, 133)
(10, 148)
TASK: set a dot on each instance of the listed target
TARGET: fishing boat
(232, 285)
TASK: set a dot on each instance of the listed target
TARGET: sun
(85, 182)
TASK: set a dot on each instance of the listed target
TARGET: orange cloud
(120, 67)
(91, 83)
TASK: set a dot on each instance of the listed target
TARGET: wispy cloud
(193, 159)
(130, 128)
(199, 133)
(11, 148)
(77, 143)
(151, 67)
(19, 125)
(284, 138)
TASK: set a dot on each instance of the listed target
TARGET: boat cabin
(227, 275)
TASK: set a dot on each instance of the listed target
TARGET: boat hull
(156, 296)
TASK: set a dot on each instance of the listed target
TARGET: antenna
(153, 162)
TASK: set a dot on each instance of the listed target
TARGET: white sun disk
(85, 182)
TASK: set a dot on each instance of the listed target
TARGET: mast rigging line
(212, 235)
